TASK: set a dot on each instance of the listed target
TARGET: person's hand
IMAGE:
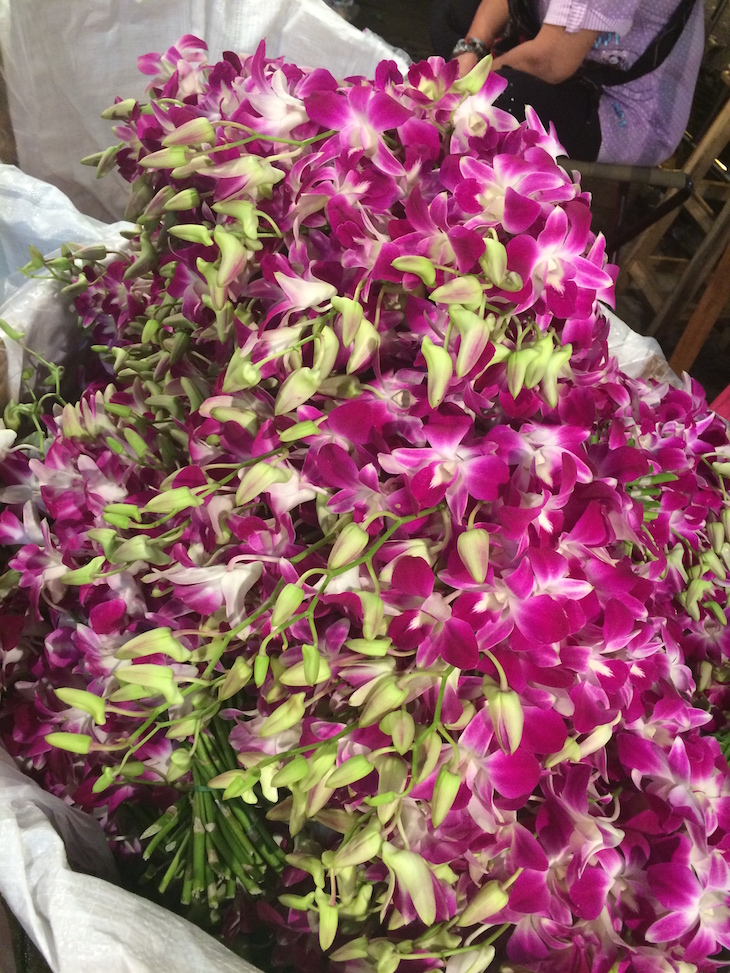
(466, 63)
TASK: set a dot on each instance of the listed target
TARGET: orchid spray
(359, 560)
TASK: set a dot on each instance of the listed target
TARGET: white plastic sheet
(66, 60)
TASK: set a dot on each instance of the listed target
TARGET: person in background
(616, 77)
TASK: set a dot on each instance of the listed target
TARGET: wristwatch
(470, 45)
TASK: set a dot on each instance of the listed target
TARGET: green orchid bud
(320, 764)
(473, 548)
(517, 365)
(348, 547)
(145, 261)
(374, 648)
(386, 696)
(85, 575)
(401, 728)
(233, 256)
(136, 442)
(428, 756)
(234, 783)
(366, 344)
(168, 158)
(194, 132)
(444, 794)
(79, 286)
(725, 518)
(494, 260)
(392, 776)
(570, 751)
(122, 109)
(185, 199)
(328, 919)
(238, 676)
(326, 350)
(489, 900)
(104, 536)
(173, 501)
(192, 233)
(536, 368)
(721, 467)
(355, 949)
(473, 82)
(440, 371)
(350, 771)
(558, 361)
(296, 389)
(140, 548)
(260, 668)
(72, 742)
(363, 847)
(301, 673)
(209, 272)
(717, 611)
(105, 780)
(461, 290)
(711, 563)
(241, 374)
(716, 535)
(300, 430)
(158, 641)
(244, 211)
(598, 739)
(311, 864)
(414, 877)
(507, 716)
(84, 701)
(257, 480)
(474, 333)
(285, 716)
(419, 266)
(352, 315)
(373, 612)
(290, 598)
(158, 680)
(292, 772)
(302, 903)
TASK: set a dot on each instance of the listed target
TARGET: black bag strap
(524, 15)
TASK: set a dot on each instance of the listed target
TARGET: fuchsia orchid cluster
(360, 556)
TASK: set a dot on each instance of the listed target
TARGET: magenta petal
(414, 576)
(329, 108)
(519, 211)
(544, 731)
(514, 775)
(670, 927)
(530, 893)
(484, 476)
(457, 645)
(675, 885)
(385, 112)
(526, 851)
(589, 892)
(542, 619)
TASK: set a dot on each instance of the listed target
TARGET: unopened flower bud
(328, 919)
(474, 334)
(242, 210)
(352, 315)
(401, 728)
(716, 534)
(366, 344)
(192, 233)
(598, 739)
(361, 848)
(158, 641)
(290, 598)
(296, 389)
(292, 772)
(444, 794)
(473, 547)
(536, 368)
(173, 501)
(350, 771)
(168, 158)
(285, 716)
(570, 751)
(507, 715)
(355, 949)
(233, 256)
(373, 613)
(473, 82)
(121, 109)
(326, 350)
(440, 371)
(350, 544)
(558, 361)
(85, 575)
(489, 900)
(86, 702)
(157, 680)
(476, 961)
(386, 696)
(140, 548)
(235, 679)
(185, 199)
(258, 479)
(300, 430)
(193, 132)
(73, 742)
(312, 670)
(419, 266)
(461, 290)
(414, 877)
(517, 364)
(494, 260)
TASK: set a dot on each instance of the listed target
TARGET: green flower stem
(266, 846)
(165, 824)
(173, 866)
(199, 857)
(258, 136)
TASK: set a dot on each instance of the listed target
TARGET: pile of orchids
(359, 565)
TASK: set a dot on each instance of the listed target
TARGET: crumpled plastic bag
(65, 61)
(78, 919)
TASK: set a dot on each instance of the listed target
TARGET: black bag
(524, 24)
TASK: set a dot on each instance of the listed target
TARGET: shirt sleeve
(607, 16)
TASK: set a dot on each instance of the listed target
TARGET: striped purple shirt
(641, 123)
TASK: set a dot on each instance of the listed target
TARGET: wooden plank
(714, 299)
